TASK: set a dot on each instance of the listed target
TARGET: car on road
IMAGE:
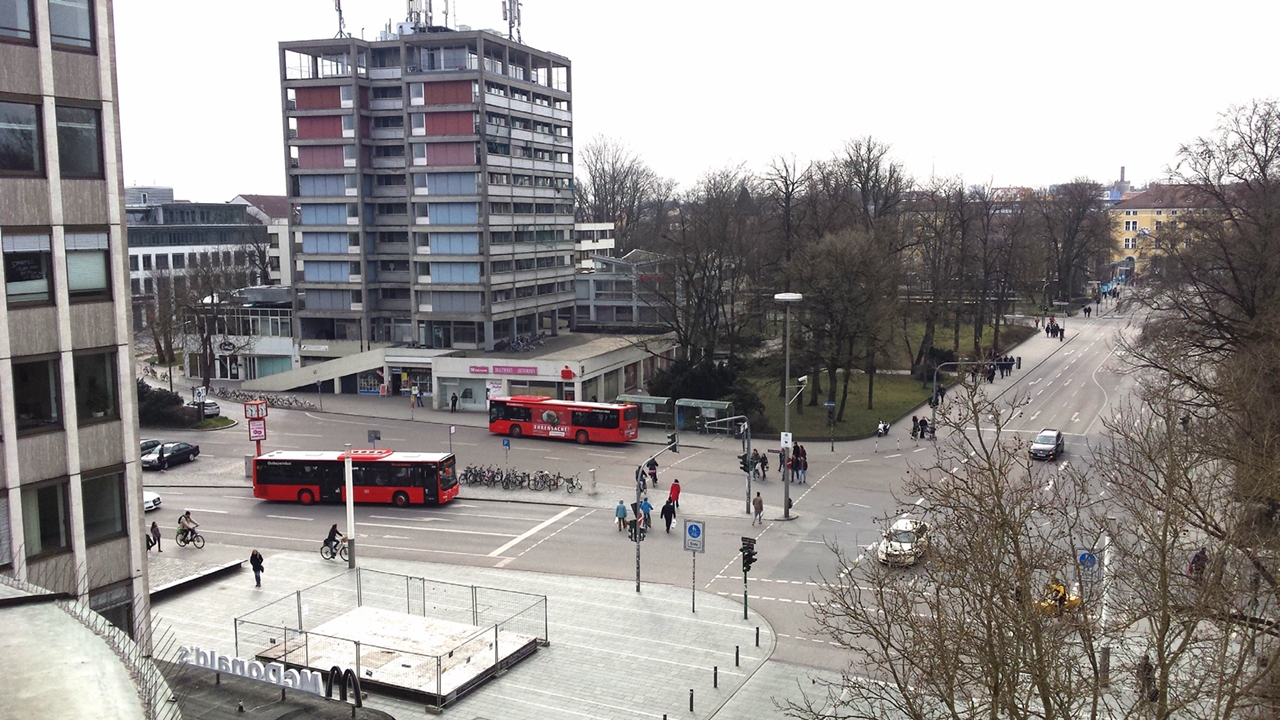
(147, 446)
(1048, 445)
(211, 408)
(169, 454)
(150, 501)
(904, 543)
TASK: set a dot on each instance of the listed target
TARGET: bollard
(715, 676)
(690, 699)
(735, 656)
(757, 636)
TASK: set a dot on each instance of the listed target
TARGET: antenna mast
(415, 14)
(511, 13)
(342, 24)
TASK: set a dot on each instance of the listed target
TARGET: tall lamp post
(787, 298)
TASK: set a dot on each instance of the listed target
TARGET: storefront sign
(315, 348)
(514, 370)
(478, 370)
(275, 673)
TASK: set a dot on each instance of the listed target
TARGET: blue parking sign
(506, 443)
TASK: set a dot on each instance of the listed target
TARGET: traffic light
(1019, 362)
(673, 442)
(831, 416)
(744, 462)
(748, 558)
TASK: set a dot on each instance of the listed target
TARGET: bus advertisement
(378, 476)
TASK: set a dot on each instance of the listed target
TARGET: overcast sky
(1012, 93)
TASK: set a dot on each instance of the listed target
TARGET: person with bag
(620, 513)
(153, 538)
(669, 513)
(255, 562)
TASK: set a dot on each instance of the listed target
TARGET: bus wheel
(515, 431)
(400, 500)
(582, 437)
(305, 497)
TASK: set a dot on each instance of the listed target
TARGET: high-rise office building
(433, 170)
(71, 513)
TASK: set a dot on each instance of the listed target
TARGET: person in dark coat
(669, 513)
(155, 537)
(255, 562)
(453, 403)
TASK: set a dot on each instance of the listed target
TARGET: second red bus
(563, 419)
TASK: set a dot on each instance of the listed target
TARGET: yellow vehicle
(1056, 601)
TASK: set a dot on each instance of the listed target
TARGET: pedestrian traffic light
(744, 462)
(748, 558)
(1019, 361)
(673, 442)
(831, 416)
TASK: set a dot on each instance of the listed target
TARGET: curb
(219, 571)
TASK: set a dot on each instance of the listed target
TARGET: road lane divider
(521, 538)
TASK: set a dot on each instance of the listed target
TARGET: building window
(179, 261)
(1131, 226)
(104, 512)
(1130, 243)
(79, 147)
(38, 406)
(133, 263)
(95, 380)
(146, 262)
(15, 19)
(88, 266)
(28, 264)
(44, 518)
(19, 137)
(71, 23)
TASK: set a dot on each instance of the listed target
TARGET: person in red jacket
(675, 492)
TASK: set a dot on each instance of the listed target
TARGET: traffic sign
(453, 429)
(828, 404)
(1090, 569)
(695, 535)
(257, 429)
(200, 393)
(1087, 560)
(748, 542)
(506, 443)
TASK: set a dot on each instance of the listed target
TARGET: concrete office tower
(71, 511)
(433, 170)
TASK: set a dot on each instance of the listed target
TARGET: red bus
(378, 476)
(545, 417)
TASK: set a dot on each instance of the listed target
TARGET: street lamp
(787, 298)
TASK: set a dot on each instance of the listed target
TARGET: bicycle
(572, 483)
(327, 551)
(195, 538)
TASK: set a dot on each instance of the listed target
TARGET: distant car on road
(169, 454)
(904, 543)
(150, 501)
(211, 408)
(1048, 445)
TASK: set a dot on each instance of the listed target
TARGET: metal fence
(284, 631)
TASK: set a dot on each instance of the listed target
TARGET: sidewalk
(613, 653)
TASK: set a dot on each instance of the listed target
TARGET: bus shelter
(692, 414)
(654, 411)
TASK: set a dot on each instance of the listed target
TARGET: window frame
(50, 297)
(41, 164)
(99, 172)
(122, 510)
(96, 294)
(65, 520)
(84, 415)
(59, 423)
(30, 40)
(91, 47)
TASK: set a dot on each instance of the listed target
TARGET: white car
(904, 543)
(150, 501)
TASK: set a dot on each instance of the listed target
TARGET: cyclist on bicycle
(331, 542)
(187, 526)
(653, 471)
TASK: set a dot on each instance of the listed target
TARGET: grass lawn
(213, 423)
(894, 396)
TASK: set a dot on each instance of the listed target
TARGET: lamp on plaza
(787, 299)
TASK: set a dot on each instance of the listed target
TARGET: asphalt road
(848, 491)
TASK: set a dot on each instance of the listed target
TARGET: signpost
(506, 451)
(452, 429)
(831, 421)
(374, 437)
(695, 532)
(255, 412)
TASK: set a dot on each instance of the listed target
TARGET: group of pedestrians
(1054, 330)
(644, 510)
(798, 463)
(922, 430)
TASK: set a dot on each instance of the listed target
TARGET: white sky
(1015, 93)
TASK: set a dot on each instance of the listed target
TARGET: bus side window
(497, 411)
(523, 414)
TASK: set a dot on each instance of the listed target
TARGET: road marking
(893, 456)
(533, 530)
(920, 449)
(861, 505)
(459, 442)
(285, 434)
(860, 460)
(227, 497)
(427, 519)
(216, 512)
(920, 501)
(290, 517)
(1033, 417)
(1075, 418)
(435, 529)
(549, 457)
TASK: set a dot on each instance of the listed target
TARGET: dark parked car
(211, 408)
(169, 454)
(147, 446)
(1048, 445)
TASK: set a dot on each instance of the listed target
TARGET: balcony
(394, 304)
(392, 191)
(387, 104)
(384, 73)
(387, 162)
(389, 219)
(387, 133)
(400, 277)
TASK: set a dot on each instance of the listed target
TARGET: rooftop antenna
(415, 14)
(342, 24)
(511, 13)
(446, 13)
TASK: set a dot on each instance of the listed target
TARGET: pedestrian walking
(757, 508)
(155, 537)
(620, 512)
(646, 507)
(675, 492)
(915, 427)
(255, 562)
(669, 513)
(1147, 689)
(764, 465)
(804, 468)
(453, 403)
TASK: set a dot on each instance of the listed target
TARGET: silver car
(904, 543)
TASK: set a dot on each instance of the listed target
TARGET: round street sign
(1088, 560)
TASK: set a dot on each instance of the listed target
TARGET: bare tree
(615, 185)
(205, 304)
(1075, 231)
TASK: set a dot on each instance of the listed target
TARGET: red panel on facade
(320, 156)
(447, 93)
(326, 126)
(317, 98)
(451, 154)
(451, 123)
